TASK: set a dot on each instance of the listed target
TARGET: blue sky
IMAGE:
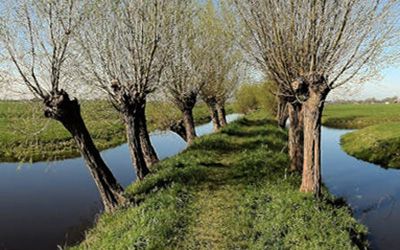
(387, 86)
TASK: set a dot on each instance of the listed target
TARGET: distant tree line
(372, 100)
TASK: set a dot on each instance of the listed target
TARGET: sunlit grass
(26, 135)
(229, 190)
(378, 140)
(377, 144)
(355, 116)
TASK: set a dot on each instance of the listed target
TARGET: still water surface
(373, 192)
(48, 204)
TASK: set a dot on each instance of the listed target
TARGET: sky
(387, 86)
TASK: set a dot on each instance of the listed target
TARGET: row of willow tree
(131, 50)
(310, 47)
(185, 49)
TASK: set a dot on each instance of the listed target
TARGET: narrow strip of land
(230, 190)
(378, 137)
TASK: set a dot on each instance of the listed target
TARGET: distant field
(378, 137)
(356, 116)
(26, 135)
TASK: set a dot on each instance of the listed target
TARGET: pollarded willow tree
(222, 79)
(227, 84)
(36, 39)
(124, 52)
(312, 47)
(183, 80)
(282, 110)
(221, 73)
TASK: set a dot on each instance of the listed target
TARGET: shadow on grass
(255, 132)
(222, 146)
(349, 122)
(255, 196)
(182, 174)
(253, 149)
(213, 165)
(246, 128)
(254, 123)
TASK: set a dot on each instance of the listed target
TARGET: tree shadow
(348, 122)
(271, 140)
(257, 132)
(257, 122)
(205, 161)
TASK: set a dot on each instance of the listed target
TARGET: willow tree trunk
(313, 107)
(221, 114)
(60, 107)
(188, 122)
(132, 123)
(295, 112)
(179, 128)
(149, 153)
(282, 112)
(214, 116)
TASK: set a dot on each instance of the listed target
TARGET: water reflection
(372, 192)
(43, 204)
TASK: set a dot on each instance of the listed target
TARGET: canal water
(372, 191)
(46, 204)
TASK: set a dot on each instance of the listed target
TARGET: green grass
(230, 190)
(378, 144)
(378, 137)
(26, 135)
(357, 116)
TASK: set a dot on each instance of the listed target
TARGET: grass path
(213, 204)
(229, 190)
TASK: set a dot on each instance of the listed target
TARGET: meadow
(377, 139)
(26, 135)
(230, 190)
(357, 116)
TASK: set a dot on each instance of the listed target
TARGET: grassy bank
(26, 135)
(229, 190)
(378, 137)
(377, 144)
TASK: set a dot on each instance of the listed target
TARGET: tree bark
(188, 122)
(282, 112)
(296, 142)
(132, 123)
(131, 105)
(149, 153)
(313, 107)
(214, 115)
(179, 129)
(58, 106)
(221, 114)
